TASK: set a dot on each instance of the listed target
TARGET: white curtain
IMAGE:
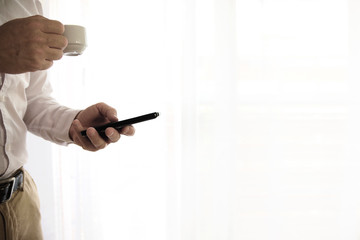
(258, 136)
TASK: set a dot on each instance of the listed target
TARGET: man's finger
(84, 142)
(95, 138)
(112, 135)
(54, 54)
(46, 64)
(107, 111)
(52, 26)
(57, 41)
(128, 130)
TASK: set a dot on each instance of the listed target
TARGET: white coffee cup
(76, 36)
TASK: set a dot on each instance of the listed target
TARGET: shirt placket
(3, 155)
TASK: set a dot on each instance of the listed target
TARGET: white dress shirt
(26, 104)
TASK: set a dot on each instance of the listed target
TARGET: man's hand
(96, 115)
(30, 44)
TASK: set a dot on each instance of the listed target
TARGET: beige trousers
(20, 216)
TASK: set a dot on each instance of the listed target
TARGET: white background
(258, 136)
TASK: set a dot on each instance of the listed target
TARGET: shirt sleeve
(44, 116)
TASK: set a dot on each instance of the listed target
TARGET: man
(29, 43)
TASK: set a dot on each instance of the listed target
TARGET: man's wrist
(71, 138)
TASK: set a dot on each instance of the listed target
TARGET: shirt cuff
(69, 116)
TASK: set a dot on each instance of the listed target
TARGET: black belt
(10, 185)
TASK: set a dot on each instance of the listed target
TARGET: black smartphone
(120, 124)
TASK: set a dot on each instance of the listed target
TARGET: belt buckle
(11, 181)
